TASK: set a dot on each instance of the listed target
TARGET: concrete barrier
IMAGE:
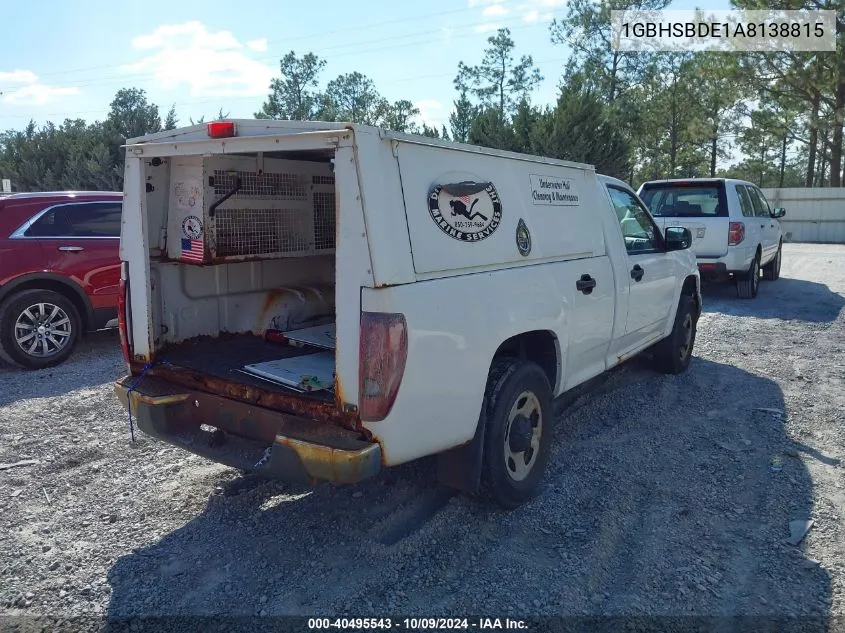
(812, 215)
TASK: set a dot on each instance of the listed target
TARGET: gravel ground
(667, 495)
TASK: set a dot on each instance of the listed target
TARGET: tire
(748, 285)
(517, 413)
(771, 271)
(672, 355)
(23, 312)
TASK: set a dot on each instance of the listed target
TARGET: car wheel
(517, 415)
(672, 355)
(771, 271)
(748, 285)
(39, 328)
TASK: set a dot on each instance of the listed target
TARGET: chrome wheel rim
(42, 330)
(687, 329)
(777, 264)
(522, 436)
(755, 275)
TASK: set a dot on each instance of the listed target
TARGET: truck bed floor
(223, 357)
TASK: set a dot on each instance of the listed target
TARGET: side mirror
(779, 212)
(677, 238)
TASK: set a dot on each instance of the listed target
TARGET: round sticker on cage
(466, 211)
(523, 238)
(192, 227)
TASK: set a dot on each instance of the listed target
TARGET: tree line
(776, 118)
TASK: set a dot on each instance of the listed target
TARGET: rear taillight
(736, 233)
(122, 306)
(383, 351)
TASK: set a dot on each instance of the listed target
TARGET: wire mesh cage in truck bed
(274, 208)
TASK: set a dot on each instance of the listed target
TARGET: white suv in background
(735, 232)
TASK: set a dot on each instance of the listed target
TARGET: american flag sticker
(192, 250)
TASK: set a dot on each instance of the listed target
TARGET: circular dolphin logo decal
(192, 227)
(466, 211)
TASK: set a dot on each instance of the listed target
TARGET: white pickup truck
(318, 301)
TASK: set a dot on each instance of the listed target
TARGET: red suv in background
(59, 272)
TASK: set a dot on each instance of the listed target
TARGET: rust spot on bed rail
(264, 316)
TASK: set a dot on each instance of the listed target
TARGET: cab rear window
(681, 200)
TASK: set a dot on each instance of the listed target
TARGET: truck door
(755, 224)
(768, 225)
(80, 240)
(651, 274)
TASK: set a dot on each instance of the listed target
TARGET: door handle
(637, 272)
(585, 284)
(71, 249)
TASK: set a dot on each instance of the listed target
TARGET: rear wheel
(38, 328)
(517, 414)
(771, 271)
(748, 285)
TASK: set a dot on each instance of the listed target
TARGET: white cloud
(531, 11)
(168, 34)
(487, 27)
(19, 76)
(37, 94)
(259, 45)
(494, 11)
(431, 112)
(210, 63)
(540, 10)
(31, 92)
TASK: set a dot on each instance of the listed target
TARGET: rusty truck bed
(224, 357)
(212, 365)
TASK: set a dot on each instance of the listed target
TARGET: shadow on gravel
(90, 364)
(787, 299)
(665, 496)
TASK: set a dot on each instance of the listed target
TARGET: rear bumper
(249, 438)
(712, 271)
(736, 261)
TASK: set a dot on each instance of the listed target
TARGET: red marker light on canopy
(221, 129)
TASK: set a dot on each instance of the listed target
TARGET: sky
(67, 59)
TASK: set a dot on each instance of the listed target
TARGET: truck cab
(319, 301)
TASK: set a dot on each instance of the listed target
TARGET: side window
(95, 220)
(54, 223)
(765, 212)
(638, 229)
(760, 207)
(82, 219)
(745, 202)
